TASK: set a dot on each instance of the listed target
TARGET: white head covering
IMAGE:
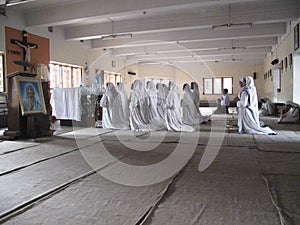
(121, 87)
(151, 90)
(174, 88)
(111, 91)
(195, 95)
(253, 95)
(291, 103)
(188, 90)
(195, 86)
(122, 91)
(150, 85)
(249, 82)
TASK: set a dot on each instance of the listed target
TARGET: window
(112, 77)
(2, 80)
(64, 76)
(216, 85)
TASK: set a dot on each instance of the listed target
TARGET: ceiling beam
(259, 30)
(195, 45)
(226, 58)
(201, 53)
(207, 17)
(88, 9)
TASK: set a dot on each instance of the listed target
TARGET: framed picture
(296, 37)
(290, 60)
(30, 95)
(285, 63)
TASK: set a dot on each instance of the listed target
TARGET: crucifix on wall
(26, 50)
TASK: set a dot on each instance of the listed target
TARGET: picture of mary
(30, 96)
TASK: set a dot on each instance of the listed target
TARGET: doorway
(296, 77)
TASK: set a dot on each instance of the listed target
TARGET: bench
(214, 104)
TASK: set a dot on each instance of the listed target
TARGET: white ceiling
(186, 25)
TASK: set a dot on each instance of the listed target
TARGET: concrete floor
(96, 176)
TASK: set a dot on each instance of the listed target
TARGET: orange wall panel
(40, 55)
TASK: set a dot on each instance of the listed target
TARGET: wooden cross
(26, 49)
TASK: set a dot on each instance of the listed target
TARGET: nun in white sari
(292, 115)
(124, 99)
(190, 114)
(161, 100)
(267, 108)
(138, 107)
(248, 105)
(105, 103)
(195, 94)
(123, 106)
(155, 121)
(173, 114)
(112, 109)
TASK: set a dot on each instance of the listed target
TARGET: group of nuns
(156, 107)
(248, 114)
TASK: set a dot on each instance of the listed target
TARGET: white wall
(285, 47)
(187, 72)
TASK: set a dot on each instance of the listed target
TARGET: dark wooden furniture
(29, 126)
(3, 109)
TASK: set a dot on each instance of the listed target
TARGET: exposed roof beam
(278, 11)
(260, 30)
(88, 9)
(195, 45)
(226, 58)
(202, 53)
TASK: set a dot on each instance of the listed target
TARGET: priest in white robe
(249, 119)
(292, 115)
(173, 114)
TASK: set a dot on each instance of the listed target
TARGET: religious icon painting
(30, 95)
